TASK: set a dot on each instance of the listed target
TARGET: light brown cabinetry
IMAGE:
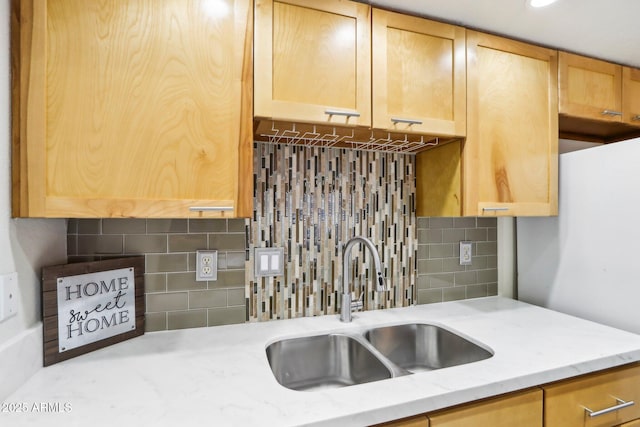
(631, 95)
(635, 423)
(317, 78)
(560, 404)
(419, 421)
(565, 402)
(128, 109)
(419, 75)
(590, 88)
(509, 160)
(598, 99)
(313, 59)
(523, 409)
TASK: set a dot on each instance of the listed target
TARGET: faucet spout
(347, 305)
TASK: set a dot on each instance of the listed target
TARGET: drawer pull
(211, 208)
(495, 209)
(611, 113)
(397, 120)
(636, 117)
(345, 113)
(621, 404)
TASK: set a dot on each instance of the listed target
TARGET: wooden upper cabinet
(590, 88)
(132, 108)
(508, 165)
(598, 99)
(510, 157)
(419, 75)
(312, 59)
(631, 95)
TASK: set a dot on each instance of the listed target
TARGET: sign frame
(50, 311)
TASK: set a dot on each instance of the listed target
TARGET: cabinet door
(313, 58)
(590, 88)
(565, 402)
(419, 75)
(522, 409)
(510, 157)
(132, 108)
(631, 95)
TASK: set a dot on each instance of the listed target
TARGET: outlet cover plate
(269, 262)
(206, 265)
(8, 295)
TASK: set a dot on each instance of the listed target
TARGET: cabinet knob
(621, 404)
(636, 117)
(611, 113)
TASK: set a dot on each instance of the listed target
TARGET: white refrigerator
(586, 261)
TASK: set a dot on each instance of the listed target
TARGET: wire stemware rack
(329, 136)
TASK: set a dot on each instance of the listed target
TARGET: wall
(584, 261)
(174, 299)
(440, 275)
(26, 245)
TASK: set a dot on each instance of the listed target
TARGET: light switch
(264, 263)
(269, 262)
(275, 262)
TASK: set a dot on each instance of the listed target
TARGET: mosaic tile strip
(310, 201)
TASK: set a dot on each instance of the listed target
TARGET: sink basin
(324, 361)
(424, 347)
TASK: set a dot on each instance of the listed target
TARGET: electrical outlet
(465, 253)
(206, 265)
(8, 295)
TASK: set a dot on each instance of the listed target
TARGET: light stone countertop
(220, 376)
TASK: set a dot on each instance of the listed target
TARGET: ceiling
(606, 29)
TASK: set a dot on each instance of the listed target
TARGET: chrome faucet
(347, 305)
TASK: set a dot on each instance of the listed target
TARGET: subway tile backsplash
(440, 277)
(310, 201)
(174, 298)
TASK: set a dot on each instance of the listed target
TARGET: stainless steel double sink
(342, 359)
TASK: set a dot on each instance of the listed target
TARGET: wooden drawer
(419, 421)
(565, 402)
(521, 409)
(634, 423)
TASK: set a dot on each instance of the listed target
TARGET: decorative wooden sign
(90, 305)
